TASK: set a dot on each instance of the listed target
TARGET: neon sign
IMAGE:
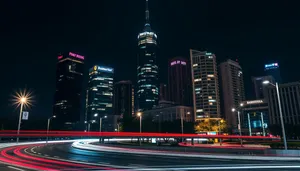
(59, 57)
(255, 102)
(178, 62)
(271, 65)
(105, 69)
(76, 55)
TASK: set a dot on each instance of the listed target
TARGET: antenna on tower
(147, 12)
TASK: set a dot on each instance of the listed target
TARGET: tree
(213, 125)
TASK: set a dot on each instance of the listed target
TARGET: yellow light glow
(22, 98)
(139, 114)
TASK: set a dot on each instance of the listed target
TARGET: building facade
(147, 70)
(124, 99)
(259, 88)
(255, 112)
(290, 103)
(99, 99)
(67, 99)
(179, 78)
(205, 85)
(170, 114)
(273, 70)
(233, 92)
(163, 92)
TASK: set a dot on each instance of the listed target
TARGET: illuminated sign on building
(59, 57)
(76, 55)
(273, 65)
(105, 69)
(254, 102)
(178, 62)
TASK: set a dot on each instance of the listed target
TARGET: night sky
(105, 31)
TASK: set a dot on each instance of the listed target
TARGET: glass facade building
(147, 70)
(206, 98)
(99, 100)
(273, 70)
(67, 98)
(259, 87)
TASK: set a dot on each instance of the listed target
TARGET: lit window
(208, 79)
(198, 79)
(194, 65)
(109, 105)
(199, 110)
(210, 75)
(197, 89)
(209, 97)
(212, 100)
(210, 103)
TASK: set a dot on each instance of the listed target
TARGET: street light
(239, 120)
(100, 122)
(48, 125)
(280, 111)
(139, 114)
(220, 121)
(22, 99)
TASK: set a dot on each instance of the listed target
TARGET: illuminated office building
(124, 99)
(273, 70)
(69, 77)
(290, 103)
(205, 85)
(232, 89)
(147, 70)
(259, 88)
(179, 81)
(99, 100)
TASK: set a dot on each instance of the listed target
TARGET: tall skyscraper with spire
(147, 70)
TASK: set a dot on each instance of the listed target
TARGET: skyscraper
(273, 70)
(69, 77)
(124, 99)
(163, 91)
(99, 99)
(147, 70)
(205, 85)
(179, 81)
(259, 88)
(232, 88)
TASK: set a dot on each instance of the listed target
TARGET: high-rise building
(99, 99)
(259, 88)
(179, 77)
(147, 70)
(273, 70)
(163, 91)
(67, 100)
(124, 99)
(231, 77)
(289, 98)
(205, 85)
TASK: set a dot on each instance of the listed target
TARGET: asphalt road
(66, 152)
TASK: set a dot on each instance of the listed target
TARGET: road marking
(15, 168)
(103, 163)
(136, 165)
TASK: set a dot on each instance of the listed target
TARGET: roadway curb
(87, 146)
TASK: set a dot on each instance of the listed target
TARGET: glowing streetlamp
(267, 82)
(22, 99)
(48, 126)
(139, 114)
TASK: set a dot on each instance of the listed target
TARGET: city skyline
(44, 59)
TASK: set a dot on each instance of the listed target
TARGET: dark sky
(105, 31)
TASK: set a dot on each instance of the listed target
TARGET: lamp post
(263, 124)
(22, 101)
(100, 123)
(249, 125)
(280, 111)
(239, 124)
(48, 126)
(220, 121)
(139, 114)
